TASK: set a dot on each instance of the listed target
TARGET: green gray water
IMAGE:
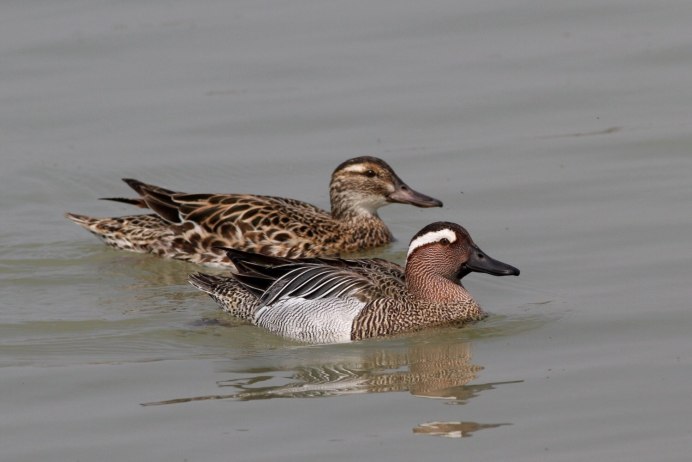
(557, 133)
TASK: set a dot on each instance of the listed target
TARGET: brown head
(362, 185)
(440, 255)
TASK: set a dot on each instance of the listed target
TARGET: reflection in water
(425, 370)
(452, 429)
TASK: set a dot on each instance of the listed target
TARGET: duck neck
(352, 206)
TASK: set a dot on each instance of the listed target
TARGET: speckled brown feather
(388, 316)
(231, 295)
(190, 226)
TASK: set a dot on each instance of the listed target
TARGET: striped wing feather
(314, 281)
(318, 277)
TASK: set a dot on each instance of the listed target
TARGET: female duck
(333, 300)
(192, 226)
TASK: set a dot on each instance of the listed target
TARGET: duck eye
(370, 173)
(444, 241)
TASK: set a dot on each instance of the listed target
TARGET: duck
(334, 300)
(194, 227)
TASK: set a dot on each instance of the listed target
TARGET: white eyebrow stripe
(357, 168)
(429, 238)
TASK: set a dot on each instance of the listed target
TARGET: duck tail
(205, 282)
(81, 220)
(126, 200)
(232, 296)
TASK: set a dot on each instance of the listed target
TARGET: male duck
(192, 227)
(334, 300)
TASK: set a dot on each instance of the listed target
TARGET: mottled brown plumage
(191, 226)
(334, 300)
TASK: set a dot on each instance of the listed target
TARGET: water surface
(558, 134)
